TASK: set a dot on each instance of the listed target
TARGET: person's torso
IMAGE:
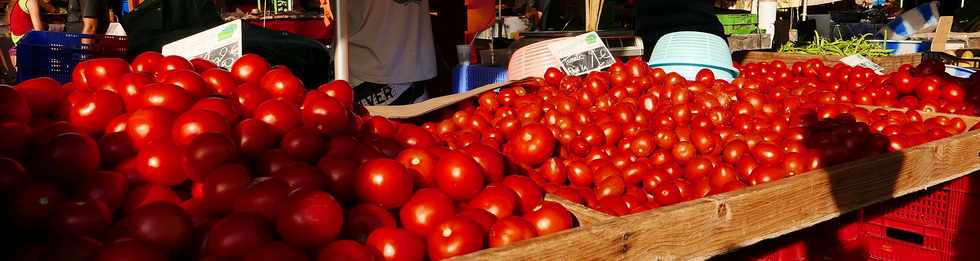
(74, 21)
(20, 20)
(391, 41)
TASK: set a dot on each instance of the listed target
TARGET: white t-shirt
(390, 41)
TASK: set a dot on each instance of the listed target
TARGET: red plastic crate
(937, 224)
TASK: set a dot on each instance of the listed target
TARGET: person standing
(391, 50)
(654, 19)
(25, 16)
(88, 16)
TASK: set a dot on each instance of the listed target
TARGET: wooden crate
(714, 225)
(890, 63)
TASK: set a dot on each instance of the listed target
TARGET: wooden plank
(942, 34)
(718, 224)
(584, 215)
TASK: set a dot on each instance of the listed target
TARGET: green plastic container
(738, 19)
(741, 29)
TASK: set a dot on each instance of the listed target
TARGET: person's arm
(327, 14)
(89, 24)
(90, 16)
(35, 11)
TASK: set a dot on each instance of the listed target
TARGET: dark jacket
(656, 18)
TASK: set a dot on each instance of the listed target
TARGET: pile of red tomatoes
(165, 158)
(634, 138)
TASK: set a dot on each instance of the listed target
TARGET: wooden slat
(718, 224)
(585, 215)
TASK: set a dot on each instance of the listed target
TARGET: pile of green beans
(821, 46)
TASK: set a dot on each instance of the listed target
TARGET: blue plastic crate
(468, 77)
(55, 54)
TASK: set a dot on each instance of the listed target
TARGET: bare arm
(35, 11)
(327, 14)
(89, 24)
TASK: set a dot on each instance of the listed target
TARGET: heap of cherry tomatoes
(634, 138)
(165, 158)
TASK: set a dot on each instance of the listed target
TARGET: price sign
(582, 54)
(221, 45)
(860, 60)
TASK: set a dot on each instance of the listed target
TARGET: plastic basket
(937, 224)
(688, 52)
(55, 54)
(468, 77)
(532, 60)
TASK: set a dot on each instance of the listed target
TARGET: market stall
(829, 149)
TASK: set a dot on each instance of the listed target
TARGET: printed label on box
(221, 45)
(582, 54)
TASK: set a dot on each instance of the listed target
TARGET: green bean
(821, 46)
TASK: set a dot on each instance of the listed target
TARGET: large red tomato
(75, 218)
(236, 234)
(454, 237)
(192, 123)
(173, 63)
(129, 249)
(224, 185)
(220, 81)
(529, 193)
(130, 88)
(341, 91)
(250, 68)
(281, 84)
(162, 225)
(346, 250)
(168, 96)
(510, 230)
(532, 144)
(499, 200)
(303, 144)
(363, 219)
(148, 194)
(397, 244)
(254, 137)
(421, 163)
(160, 163)
(69, 157)
(280, 115)
(549, 218)
(324, 113)
(224, 107)
(384, 182)
(426, 209)
(190, 81)
(276, 251)
(488, 158)
(100, 72)
(310, 218)
(94, 112)
(248, 97)
(147, 62)
(341, 176)
(13, 106)
(458, 175)
(207, 152)
(262, 198)
(42, 94)
(105, 186)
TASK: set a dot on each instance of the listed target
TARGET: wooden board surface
(718, 224)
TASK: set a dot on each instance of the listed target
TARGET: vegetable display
(821, 46)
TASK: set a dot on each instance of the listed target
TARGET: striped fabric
(922, 18)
